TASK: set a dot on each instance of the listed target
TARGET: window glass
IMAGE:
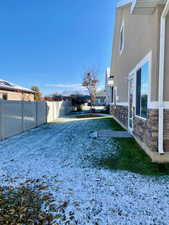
(5, 97)
(142, 91)
(122, 38)
(112, 94)
(138, 92)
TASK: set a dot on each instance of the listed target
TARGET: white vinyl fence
(19, 116)
(58, 109)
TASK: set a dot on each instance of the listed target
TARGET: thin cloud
(69, 86)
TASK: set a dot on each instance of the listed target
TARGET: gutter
(161, 79)
(16, 90)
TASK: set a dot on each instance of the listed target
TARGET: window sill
(121, 51)
(142, 118)
(112, 103)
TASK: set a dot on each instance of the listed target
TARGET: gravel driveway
(64, 156)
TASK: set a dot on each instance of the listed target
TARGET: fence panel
(49, 110)
(11, 118)
(29, 115)
(58, 109)
(19, 116)
(41, 113)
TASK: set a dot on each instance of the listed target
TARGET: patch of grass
(112, 124)
(88, 116)
(132, 158)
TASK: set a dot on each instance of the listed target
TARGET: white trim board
(155, 105)
(122, 103)
(119, 104)
(152, 105)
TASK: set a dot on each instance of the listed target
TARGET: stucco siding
(141, 34)
(18, 96)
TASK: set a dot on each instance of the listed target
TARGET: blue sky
(51, 43)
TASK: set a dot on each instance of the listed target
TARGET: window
(115, 95)
(112, 94)
(142, 79)
(4, 96)
(122, 38)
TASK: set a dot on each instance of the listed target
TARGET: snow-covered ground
(63, 156)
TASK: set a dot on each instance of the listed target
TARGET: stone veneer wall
(121, 113)
(166, 130)
(145, 130)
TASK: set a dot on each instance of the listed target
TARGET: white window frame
(132, 75)
(122, 41)
(112, 94)
(146, 59)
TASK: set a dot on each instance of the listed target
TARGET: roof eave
(123, 3)
(144, 7)
(16, 90)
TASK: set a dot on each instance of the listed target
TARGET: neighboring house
(140, 73)
(100, 98)
(9, 91)
(55, 98)
(109, 88)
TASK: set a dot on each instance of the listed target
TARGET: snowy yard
(64, 157)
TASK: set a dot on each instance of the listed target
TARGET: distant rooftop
(5, 85)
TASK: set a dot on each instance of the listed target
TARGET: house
(109, 88)
(100, 98)
(9, 91)
(139, 74)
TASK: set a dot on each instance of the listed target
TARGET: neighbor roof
(5, 85)
(101, 93)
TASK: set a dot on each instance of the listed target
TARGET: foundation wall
(121, 113)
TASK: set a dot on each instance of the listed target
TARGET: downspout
(161, 79)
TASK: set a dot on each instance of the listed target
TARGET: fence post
(36, 102)
(22, 114)
(53, 108)
(1, 120)
(46, 111)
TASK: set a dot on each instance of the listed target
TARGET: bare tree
(56, 94)
(90, 82)
(38, 95)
